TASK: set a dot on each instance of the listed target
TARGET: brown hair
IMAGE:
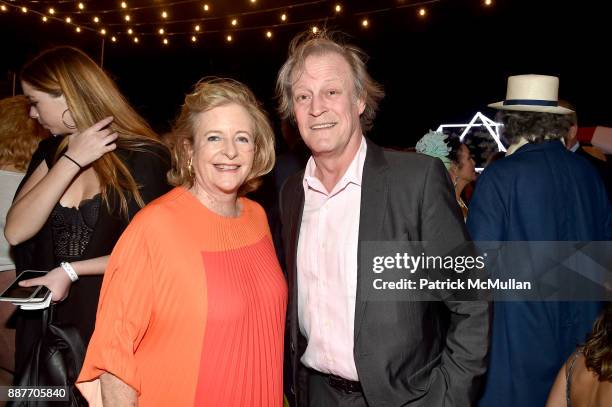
(19, 134)
(92, 95)
(308, 43)
(208, 93)
(598, 347)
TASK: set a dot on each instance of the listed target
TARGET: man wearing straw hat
(540, 192)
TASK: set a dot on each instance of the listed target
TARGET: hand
(93, 143)
(57, 281)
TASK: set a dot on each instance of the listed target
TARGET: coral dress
(192, 309)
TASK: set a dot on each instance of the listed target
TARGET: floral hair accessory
(433, 145)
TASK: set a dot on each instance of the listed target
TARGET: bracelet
(68, 157)
(67, 267)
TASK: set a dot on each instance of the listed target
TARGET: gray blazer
(406, 353)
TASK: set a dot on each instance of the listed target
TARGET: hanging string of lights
(131, 22)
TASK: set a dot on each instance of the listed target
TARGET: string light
(24, 9)
(422, 12)
(3, 8)
(103, 31)
(161, 31)
(127, 17)
(136, 40)
(44, 19)
(78, 29)
(206, 7)
(365, 22)
(338, 8)
(229, 38)
(164, 14)
(165, 41)
(488, 2)
(130, 31)
(114, 39)
(234, 22)
(253, 1)
(81, 6)
(193, 38)
(68, 20)
(123, 4)
(197, 28)
(269, 34)
(284, 17)
(51, 10)
(96, 20)
(315, 29)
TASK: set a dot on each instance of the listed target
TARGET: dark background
(440, 69)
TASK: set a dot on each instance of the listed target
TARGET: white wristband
(67, 267)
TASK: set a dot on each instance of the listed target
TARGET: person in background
(571, 143)
(538, 192)
(82, 187)
(456, 157)
(585, 380)
(19, 137)
(192, 310)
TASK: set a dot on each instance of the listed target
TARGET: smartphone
(40, 296)
(15, 292)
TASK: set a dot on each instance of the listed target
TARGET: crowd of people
(166, 283)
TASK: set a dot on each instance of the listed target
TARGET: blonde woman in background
(82, 188)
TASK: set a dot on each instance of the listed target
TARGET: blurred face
(223, 149)
(325, 106)
(466, 168)
(48, 110)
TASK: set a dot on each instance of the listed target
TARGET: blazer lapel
(294, 217)
(374, 191)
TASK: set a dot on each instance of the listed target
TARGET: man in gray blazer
(347, 350)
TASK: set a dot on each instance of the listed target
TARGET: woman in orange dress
(192, 309)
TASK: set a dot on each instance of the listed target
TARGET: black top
(72, 228)
(92, 236)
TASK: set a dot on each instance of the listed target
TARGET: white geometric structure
(479, 120)
(491, 126)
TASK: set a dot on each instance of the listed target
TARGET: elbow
(11, 236)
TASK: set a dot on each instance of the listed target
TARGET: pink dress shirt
(327, 269)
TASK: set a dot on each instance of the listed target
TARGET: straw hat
(532, 93)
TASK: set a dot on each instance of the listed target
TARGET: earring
(190, 166)
(70, 126)
(455, 181)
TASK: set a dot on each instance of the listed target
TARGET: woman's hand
(91, 144)
(57, 281)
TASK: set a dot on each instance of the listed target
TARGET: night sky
(435, 70)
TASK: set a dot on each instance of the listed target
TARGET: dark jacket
(542, 192)
(406, 352)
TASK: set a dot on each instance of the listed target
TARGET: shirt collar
(352, 175)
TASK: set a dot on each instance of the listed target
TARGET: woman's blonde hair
(209, 93)
(91, 96)
(19, 134)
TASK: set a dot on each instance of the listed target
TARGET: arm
(557, 397)
(124, 315)
(467, 339)
(58, 281)
(36, 199)
(116, 393)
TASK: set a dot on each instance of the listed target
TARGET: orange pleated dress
(192, 309)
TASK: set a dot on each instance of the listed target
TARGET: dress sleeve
(124, 312)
